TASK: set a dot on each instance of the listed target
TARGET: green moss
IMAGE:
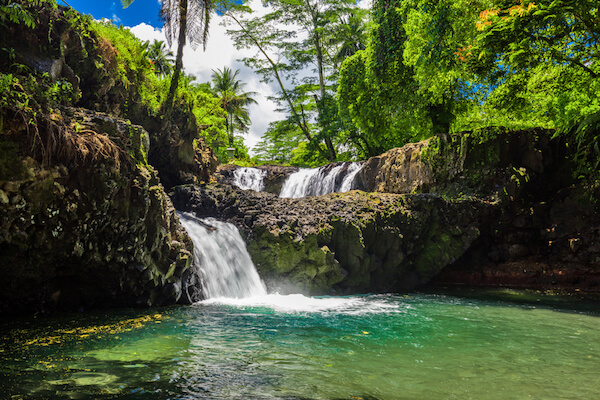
(11, 167)
(437, 251)
(306, 264)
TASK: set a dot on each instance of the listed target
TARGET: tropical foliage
(233, 100)
(296, 46)
(354, 83)
(184, 20)
(429, 67)
(161, 57)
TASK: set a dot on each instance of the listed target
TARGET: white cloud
(113, 8)
(366, 4)
(220, 52)
(148, 32)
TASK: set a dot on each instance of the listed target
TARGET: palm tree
(183, 19)
(161, 58)
(350, 36)
(233, 100)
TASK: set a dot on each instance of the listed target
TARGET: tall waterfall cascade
(249, 178)
(320, 181)
(225, 265)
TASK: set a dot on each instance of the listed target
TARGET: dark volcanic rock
(400, 170)
(89, 225)
(538, 226)
(552, 244)
(492, 162)
(351, 242)
(542, 227)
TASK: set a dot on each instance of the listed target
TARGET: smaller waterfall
(320, 181)
(226, 266)
(351, 172)
(249, 178)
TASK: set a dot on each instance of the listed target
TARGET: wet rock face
(540, 229)
(87, 232)
(495, 162)
(177, 152)
(551, 244)
(346, 243)
(536, 226)
(400, 170)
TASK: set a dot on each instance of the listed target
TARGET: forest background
(352, 83)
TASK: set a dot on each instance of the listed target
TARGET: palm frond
(126, 3)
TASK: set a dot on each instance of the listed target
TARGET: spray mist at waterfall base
(229, 276)
(242, 343)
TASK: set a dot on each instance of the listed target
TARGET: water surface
(417, 346)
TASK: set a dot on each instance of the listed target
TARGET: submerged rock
(352, 242)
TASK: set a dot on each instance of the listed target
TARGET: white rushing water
(230, 278)
(320, 181)
(351, 172)
(221, 254)
(249, 178)
(294, 303)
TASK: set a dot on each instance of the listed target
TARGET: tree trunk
(330, 149)
(229, 130)
(441, 118)
(183, 7)
(295, 114)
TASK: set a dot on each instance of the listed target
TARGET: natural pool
(416, 346)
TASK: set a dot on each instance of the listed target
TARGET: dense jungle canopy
(352, 82)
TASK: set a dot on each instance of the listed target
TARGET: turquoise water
(418, 346)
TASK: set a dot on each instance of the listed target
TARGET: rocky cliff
(85, 221)
(542, 227)
(66, 52)
(353, 242)
(489, 207)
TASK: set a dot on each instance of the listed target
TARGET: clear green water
(420, 346)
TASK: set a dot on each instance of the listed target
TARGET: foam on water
(230, 278)
(294, 303)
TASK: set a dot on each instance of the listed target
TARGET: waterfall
(249, 178)
(351, 172)
(319, 181)
(220, 252)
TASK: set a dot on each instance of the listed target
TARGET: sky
(142, 18)
(140, 11)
